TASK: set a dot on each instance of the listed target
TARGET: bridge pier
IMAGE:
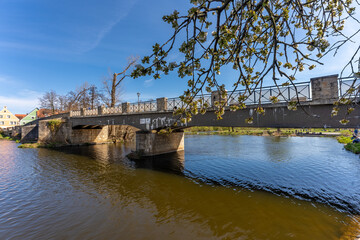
(150, 144)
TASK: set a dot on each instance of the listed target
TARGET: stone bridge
(92, 125)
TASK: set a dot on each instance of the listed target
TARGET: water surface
(221, 187)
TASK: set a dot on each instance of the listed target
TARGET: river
(221, 187)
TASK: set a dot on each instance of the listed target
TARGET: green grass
(353, 147)
(29, 145)
(37, 145)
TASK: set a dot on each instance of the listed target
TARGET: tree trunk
(113, 91)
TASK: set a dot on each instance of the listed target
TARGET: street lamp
(138, 94)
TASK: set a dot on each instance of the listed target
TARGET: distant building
(43, 112)
(20, 116)
(29, 117)
(7, 119)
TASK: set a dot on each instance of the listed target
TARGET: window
(1, 116)
(2, 123)
(8, 116)
(32, 117)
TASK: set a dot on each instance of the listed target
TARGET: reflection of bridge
(316, 96)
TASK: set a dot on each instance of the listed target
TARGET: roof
(43, 112)
(20, 116)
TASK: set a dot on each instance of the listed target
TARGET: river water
(221, 187)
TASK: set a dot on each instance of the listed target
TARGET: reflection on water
(209, 192)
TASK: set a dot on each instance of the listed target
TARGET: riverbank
(288, 132)
(4, 137)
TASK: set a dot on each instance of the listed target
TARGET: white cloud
(23, 102)
(149, 82)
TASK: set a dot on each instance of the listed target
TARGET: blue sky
(61, 44)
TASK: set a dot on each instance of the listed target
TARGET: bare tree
(112, 85)
(95, 96)
(77, 98)
(49, 100)
(62, 102)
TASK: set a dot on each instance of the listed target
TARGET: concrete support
(161, 104)
(324, 89)
(216, 97)
(150, 144)
(125, 107)
(90, 136)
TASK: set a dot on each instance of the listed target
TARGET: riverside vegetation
(4, 137)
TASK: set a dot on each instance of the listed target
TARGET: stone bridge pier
(149, 144)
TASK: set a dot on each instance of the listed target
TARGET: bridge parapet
(320, 90)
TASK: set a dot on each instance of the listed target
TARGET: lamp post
(138, 94)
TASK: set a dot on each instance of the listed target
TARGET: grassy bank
(349, 145)
(4, 137)
(261, 131)
(353, 147)
(37, 145)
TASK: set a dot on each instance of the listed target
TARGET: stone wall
(65, 134)
(29, 133)
(122, 133)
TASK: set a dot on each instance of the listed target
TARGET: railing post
(215, 96)
(82, 111)
(161, 104)
(325, 89)
(125, 107)
(101, 110)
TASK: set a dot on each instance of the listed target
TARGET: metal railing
(301, 91)
(283, 94)
(346, 83)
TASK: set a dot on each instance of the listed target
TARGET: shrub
(344, 140)
(54, 125)
(353, 147)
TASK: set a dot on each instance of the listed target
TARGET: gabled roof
(43, 112)
(20, 116)
(6, 110)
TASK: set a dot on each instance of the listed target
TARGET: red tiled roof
(43, 112)
(20, 116)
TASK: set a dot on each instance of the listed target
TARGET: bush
(344, 140)
(353, 147)
(54, 125)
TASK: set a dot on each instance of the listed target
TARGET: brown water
(222, 187)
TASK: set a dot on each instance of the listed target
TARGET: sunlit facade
(7, 119)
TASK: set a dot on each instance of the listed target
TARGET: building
(29, 117)
(20, 116)
(43, 112)
(7, 119)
